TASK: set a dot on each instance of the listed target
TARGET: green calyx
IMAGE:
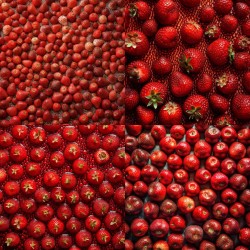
(231, 54)
(194, 113)
(132, 10)
(185, 63)
(154, 99)
(134, 74)
(211, 31)
(132, 40)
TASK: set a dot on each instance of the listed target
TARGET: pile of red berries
(61, 187)
(187, 188)
(187, 60)
(61, 61)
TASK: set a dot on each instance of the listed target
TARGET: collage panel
(61, 62)
(62, 187)
(187, 187)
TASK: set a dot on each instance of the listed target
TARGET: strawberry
(166, 38)
(140, 9)
(220, 52)
(139, 71)
(190, 3)
(170, 114)
(246, 81)
(229, 23)
(131, 99)
(3, 94)
(149, 27)
(136, 43)
(223, 7)
(191, 32)
(212, 32)
(242, 10)
(196, 107)
(153, 94)
(227, 84)
(241, 107)
(144, 115)
(162, 66)
(245, 27)
(242, 43)
(180, 84)
(192, 60)
(223, 121)
(166, 12)
(218, 103)
(242, 61)
(204, 83)
(207, 14)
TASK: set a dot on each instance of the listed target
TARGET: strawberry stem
(194, 113)
(154, 99)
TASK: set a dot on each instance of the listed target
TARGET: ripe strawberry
(139, 72)
(131, 99)
(162, 66)
(180, 84)
(144, 115)
(166, 12)
(153, 94)
(204, 83)
(11, 240)
(223, 7)
(149, 27)
(192, 60)
(207, 14)
(136, 43)
(229, 24)
(245, 27)
(190, 3)
(218, 103)
(242, 61)
(242, 43)
(227, 84)
(212, 32)
(196, 107)
(170, 114)
(242, 10)
(166, 38)
(246, 81)
(220, 52)
(241, 107)
(140, 9)
(191, 32)
(223, 121)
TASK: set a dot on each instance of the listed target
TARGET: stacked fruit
(187, 188)
(62, 187)
(188, 60)
(61, 62)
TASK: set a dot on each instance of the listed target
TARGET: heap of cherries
(62, 187)
(187, 188)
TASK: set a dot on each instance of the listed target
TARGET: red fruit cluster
(62, 62)
(61, 187)
(187, 188)
(188, 60)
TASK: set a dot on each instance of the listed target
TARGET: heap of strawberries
(61, 187)
(187, 188)
(188, 61)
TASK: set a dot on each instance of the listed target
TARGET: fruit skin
(170, 114)
(193, 234)
(223, 7)
(166, 12)
(241, 107)
(136, 43)
(241, 43)
(186, 204)
(212, 32)
(246, 81)
(159, 228)
(204, 83)
(140, 9)
(244, 236)
(196, 107)
(227, 84)
(207, 14)
(153, 94)
(150, 27)
(229, 24)
(242, 10)
(190, 3)
(191, 33)
(131, 99)
(220, 52)
(144, 115)
(166, 38)
(192, 60)
(180, 84)
(139, 71)
(242, 61)
(218, 103)
(162, 66)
